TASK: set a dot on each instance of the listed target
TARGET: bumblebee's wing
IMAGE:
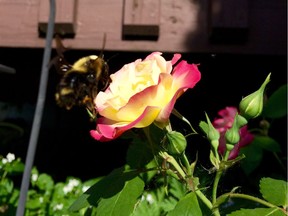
(60, 48)
(60, 63)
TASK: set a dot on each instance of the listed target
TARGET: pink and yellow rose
(225, 122)
(141, 93)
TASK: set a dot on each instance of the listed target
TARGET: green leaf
(162, 199)
(14, 197)
(187, 206)
(139, 153)
(144, 208)
(276, 106)
(153, 202)
(254, 152)
(147, 176)
(6, 185)
(45, 182)
(177, 188)
(253, 157)
(105, 188)
(274, 191)
(258, 212)
(123, 202)
(15, 167)
(266, 143)
(33, 204)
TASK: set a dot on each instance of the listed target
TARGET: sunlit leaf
(187, 206)
(124, 201)
(105, 188)
(274, 191)
(258, 212)
(144, 208)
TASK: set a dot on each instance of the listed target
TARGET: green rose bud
(177, 143)
(232, 135)
(229, 147)
(252, 105)
(241, 121)
(212, 133)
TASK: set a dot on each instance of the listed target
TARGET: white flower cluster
(9, 158)
(71, 184)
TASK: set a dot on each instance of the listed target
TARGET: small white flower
(10, 157)
(149, 199)
(4, 160)
(67, 189)
(34, 177)
(58, 207)
(85, 188)
(41, 199)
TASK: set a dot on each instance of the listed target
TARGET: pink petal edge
(105, 132)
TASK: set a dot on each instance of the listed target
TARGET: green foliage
(258, 212)
(161, 199)
(276, 106)
(274, 191)
(123, 202)
(139, 153)
(255, 150)
(187, 206)
(45, 197)
(107, 187)
(157, 178)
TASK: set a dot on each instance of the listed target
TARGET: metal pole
(38, 113)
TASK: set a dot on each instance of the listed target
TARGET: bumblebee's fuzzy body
(81, 82)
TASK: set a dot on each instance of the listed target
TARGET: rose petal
(186, 74)
(108, 130)
(175, 58)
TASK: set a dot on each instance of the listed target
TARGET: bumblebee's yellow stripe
(80, 66)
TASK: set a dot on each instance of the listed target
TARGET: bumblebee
(81, 81)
